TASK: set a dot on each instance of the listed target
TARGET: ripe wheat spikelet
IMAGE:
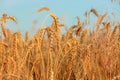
(107, 27)
(26, 36)
(43, 9)
(50, 53)
(79, 27)
(79, 30)
(56, 20)
(12, 18)
(57, 25)
(78, 20)
(94, 12)
(114, 32)
(6, 17)
(3, 20)
(15, 42)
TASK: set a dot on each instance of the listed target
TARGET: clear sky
(26, 11)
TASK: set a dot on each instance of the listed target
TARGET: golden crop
(78, 54)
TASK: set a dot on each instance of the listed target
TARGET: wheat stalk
(26, 36)
(114, 32)
(6, 17)
(56, 21)
(100, 19)
(4, 31)
(83, 35)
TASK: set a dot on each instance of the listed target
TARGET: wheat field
(78, 54)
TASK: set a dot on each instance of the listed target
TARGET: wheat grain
(5, 44)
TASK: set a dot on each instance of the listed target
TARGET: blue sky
(26, 11)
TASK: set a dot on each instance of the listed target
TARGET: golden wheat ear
(78, 19)
(12, 18)
(53, 15)
(56, 19)
(94, 12)
(6, 17)
(43, 9)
